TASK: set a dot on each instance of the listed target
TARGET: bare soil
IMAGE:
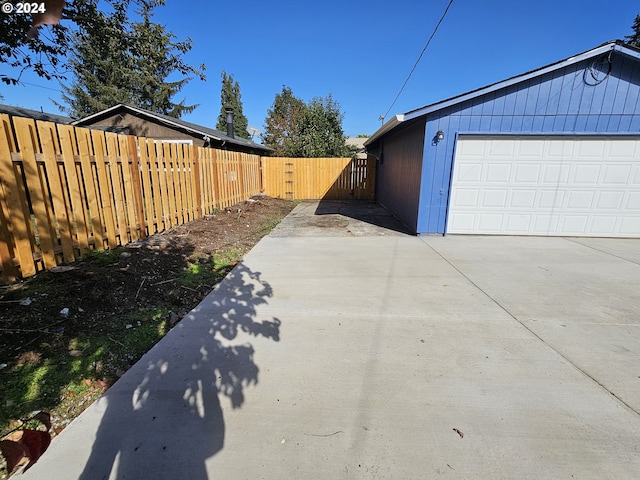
(67, 334)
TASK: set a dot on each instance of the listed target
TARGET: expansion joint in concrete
(557, 352)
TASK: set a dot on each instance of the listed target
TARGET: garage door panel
(629, 225)
(523, 199)
(490, 222)
(498, 172)
(593, 148)
(603, 224)
(518, 222)
(462, 221)
(465, 197)
(556, 173)
(580, 200)
(574, 224)
(545, 224)
(550, 199)
(617, 174)
(528, 173)
(586, 174)
(634, 201)
(582, 186)
(495, 198)
(529, 148)
(624, 149)
(610, 200)
(471, 173)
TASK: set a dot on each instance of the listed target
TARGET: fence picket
(28, 145)
(136, 182)
(50, 148)
(85, 152)
(78, 214)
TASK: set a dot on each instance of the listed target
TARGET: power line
(40, 86)
(382, 117)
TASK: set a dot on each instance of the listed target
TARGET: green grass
(59, 372)
(38, 382)
(208, 269)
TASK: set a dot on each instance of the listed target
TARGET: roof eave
(390, 125)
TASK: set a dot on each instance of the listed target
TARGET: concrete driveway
(343, 348)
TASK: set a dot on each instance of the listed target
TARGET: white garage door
(573, 186)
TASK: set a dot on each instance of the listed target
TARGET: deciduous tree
(319, 132)
(44, 54)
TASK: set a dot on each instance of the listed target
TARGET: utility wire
(39, 86)
(382, 117)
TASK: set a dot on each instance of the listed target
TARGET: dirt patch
(67, 334)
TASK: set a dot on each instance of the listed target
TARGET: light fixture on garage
(439, 137)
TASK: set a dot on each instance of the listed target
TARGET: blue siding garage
(593, 94)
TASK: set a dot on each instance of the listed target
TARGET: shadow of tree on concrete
(164, 418)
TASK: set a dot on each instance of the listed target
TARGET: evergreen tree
(100, 63)
(282, 123)
(157, 55)
(230, 97)
(634, 40)
(115, 59)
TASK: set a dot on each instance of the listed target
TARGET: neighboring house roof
(357, 142)
(35, 114)
(616, 45)
(172, 122)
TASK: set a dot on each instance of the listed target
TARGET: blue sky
(362, 51)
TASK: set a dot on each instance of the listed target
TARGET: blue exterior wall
(399, 171)
(559, 102)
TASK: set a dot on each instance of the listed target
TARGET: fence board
(50, 148)
(77, 211)
(25, 130)
(127, 163)
(136, 182)
(92, 214)
(16, 234)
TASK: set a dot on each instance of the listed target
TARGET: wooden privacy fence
(319, 178)
(65, 191)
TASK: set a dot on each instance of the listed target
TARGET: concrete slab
(580, 296)
(383, 356)
(335, 218)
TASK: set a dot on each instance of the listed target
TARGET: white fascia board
(627, 51)
(390, 125)
(97, 114)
